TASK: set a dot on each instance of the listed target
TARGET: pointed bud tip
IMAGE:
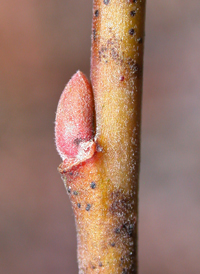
(74, 116)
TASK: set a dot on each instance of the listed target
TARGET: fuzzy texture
(74, 126)
(103, 187)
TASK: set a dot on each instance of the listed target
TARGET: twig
(101, 148)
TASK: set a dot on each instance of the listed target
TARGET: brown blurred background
(42, 43)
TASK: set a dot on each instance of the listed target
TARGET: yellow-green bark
(104, 188)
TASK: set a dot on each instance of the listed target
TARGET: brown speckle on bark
(129, 228)
(93, 185)
(132, 1)
(114, 53)
(91, 265)
(120, 203)
(88, 207)
(69, 190)
(117, 230)
(124, 271)
(94, 34)
(133, 66)
(96, 13)
(106, 2)
(99, 148)
(131, 31)
(133, 13)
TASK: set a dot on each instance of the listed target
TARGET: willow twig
(101, 148)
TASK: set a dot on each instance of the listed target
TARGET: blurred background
(42, 44)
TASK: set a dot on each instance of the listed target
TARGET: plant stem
(104, 188)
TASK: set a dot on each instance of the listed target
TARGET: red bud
(74, 117)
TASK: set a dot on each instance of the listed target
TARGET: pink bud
(74, 117)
